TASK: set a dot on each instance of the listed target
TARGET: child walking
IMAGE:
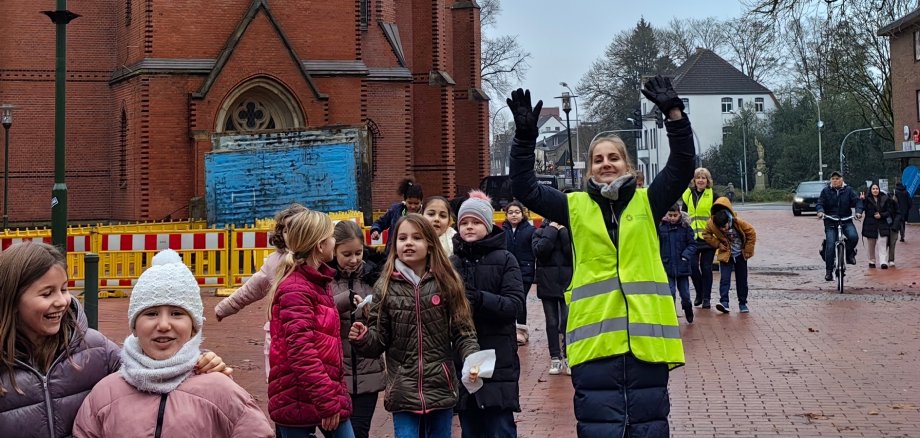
(518, 238)
(418, 316)
(257, 286)
(437, 210)
(678, 246)
(354, 280)
(733, 239)
(412, 202)
(493, 287)
(306, 384)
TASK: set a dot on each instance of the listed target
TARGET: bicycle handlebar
(835, 218)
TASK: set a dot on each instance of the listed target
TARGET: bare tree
(680, 39)
(503, 60)
(752, 46)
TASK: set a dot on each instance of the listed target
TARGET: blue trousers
(681, 284)
(435, 424)
(343, 431)
(830, 238)
(739, 265)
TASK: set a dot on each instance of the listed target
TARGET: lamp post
(820, 125)
(844, 142)
(577, 120)
(743, 168)
(6, 116)
(567, 107)
(60, 17)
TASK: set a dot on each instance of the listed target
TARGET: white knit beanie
(479, 205)
(167, 282)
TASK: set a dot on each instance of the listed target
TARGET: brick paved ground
(805, 362)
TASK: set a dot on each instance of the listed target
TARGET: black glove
(660, 91)
(525, 116)
(474, 296)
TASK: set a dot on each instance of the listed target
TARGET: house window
(123, 151)
(365, 13)
(917, 45)
(740, 104)
(726, 104)
(558, 128)
(686, 104)
(758, 104)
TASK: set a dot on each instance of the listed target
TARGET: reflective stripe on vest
(699, 213)
(619, 299)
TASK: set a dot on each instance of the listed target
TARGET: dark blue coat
(678, 245)
(493, 287)
(553, 251)
(838, 202)
(389, 219)
(519, 243)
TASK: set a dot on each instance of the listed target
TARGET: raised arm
(546, 201)
(671, 182)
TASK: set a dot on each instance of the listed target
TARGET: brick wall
(905, 82)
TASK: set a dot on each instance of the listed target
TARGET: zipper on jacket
(418, 323)
(45, 389)
(354, 355)
(625, 399)
(616, 243)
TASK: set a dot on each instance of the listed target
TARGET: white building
(713, 91)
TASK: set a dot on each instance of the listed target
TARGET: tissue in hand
(485, 359)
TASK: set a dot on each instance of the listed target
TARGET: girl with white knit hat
(157, 392)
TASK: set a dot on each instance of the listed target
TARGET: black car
(806, 196)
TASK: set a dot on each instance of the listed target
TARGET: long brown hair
(449, 282)
(305, 231)
(20, 266)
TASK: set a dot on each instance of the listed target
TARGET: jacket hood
(82, 324)
(493, 241)
(684, 220)
(324, 274)
(900, 186)
(722, 204)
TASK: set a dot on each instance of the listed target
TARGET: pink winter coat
(204, 405)
(255, 288)
(306, 382)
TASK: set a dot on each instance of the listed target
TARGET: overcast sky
(565, 38)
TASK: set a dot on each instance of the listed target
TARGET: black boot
(688, 313)
(829, 276)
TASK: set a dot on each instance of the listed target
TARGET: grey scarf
(611, 190)
(158, 376)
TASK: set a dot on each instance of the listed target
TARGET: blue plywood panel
(242, 185)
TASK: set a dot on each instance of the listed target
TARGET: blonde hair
(449, 282)
(702, 171)
(305, 231)
(621, 149)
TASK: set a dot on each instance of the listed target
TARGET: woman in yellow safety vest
(622, 331)
(698, 199)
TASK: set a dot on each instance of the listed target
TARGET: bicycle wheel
(841, 266)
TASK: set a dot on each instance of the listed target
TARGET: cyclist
(838, 199)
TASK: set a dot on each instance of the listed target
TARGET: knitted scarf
(158, 376)
(611, 190)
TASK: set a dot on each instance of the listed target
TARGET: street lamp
(744, 170)
(844, 142)
(577, 120)
(820, 125)
(567, 107)
(6, 117)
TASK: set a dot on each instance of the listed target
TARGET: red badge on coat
(436, 300)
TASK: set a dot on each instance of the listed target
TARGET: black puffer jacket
(50, 410)
(414, 328)
(363, 375)
(872, 227)
(518, 243)
(553, 250)
(493, 282)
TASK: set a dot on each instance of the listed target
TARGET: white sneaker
(555, 367)
(890, 264)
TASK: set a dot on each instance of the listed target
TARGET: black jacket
(518, 243)
(838, 202)
(884, 206)
(552, 249)
(904, 201)
(678, 245)
(493, 282)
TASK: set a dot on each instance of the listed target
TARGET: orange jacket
(718, 240)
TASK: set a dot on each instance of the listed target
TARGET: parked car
(806, 196)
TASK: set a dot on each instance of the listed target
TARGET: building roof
(707, 73)
(910, 20)
(545, 117)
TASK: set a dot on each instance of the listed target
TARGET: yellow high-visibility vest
(619, 300)
(699, 213)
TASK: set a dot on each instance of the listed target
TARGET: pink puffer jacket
(203, 405)
(306, 382)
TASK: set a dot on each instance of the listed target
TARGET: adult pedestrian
(697, 200)
(156, 392)
(838, 199)
(877, 225)
(622, 334)
(905, 204)
(552, 248)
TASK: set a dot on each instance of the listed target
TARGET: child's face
(472, 229)
(42, 305)
(411, 247)
(514, 215)
(162, 331)
(349, 254)
(673, 217)
(438, 216)
(413, 205)
(726, 227)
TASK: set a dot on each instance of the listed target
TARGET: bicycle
(840, 250)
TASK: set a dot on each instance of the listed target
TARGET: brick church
(154, 88)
